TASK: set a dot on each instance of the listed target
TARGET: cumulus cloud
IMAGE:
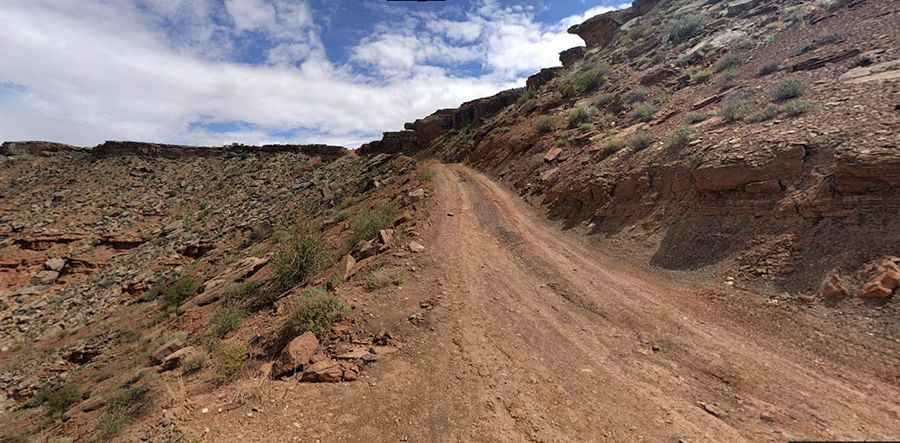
(82, 71)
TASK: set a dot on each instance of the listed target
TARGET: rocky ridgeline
(683, 141)
(116, 148)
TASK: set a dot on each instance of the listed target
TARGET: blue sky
(263, 71)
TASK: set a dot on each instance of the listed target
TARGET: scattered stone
(325, 371)
(295, 355)
(386, 236)
(712, 409)
(165, 350)
(833, 287)
(418, 193)
(55, 264)
(348, 264)
(177, 358)
(552, 154)
(415, 246)
(46, 277)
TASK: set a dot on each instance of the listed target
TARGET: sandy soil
(535, 336)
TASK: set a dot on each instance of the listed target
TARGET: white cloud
(96, 70)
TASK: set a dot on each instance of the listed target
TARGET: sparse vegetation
(229, 359)
(636, 95)
(237, 294)
(526, 97)
(367, 224)
(611, 146)
(57, 401)
(696, 117)
(679, 139)
(426, 176)
(178, 292)
(612, 103)
(820, 41)
(795, 108)
(299, 259)
(643, 112)
(788, 89)
(700, 75)
(122, 411)
(193, 362)
(316, 313)
(584, 81)
(730, 61)
(640, 141)
(578, 116)
(766, 114)
(685, 28)
(225, 320)
(770, 68)
(544, 125)
(734, 109)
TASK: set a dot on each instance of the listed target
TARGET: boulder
(325, 371)
(177, 358)
(552, 154)
(46, 277)
(833, 287)
(348, 264)
(295, 356)
(415, 246)
(165, 350)
(571, 55)
(364, 249)
(55, 264)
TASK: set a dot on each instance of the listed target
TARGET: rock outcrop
(599, 31)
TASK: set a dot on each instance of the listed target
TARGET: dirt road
(538, 337)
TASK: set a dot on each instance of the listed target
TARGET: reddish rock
(543, 77)
(833, 287)
(295, 355)
(325, 371)
(178, 357)
(552, 154)
(163, 351)
(571, 55)
(874, 289)
(348, 264)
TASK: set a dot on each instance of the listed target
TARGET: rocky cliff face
(735, 137)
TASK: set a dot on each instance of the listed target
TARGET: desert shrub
(788, 89)
(578, 116)
(640, 141)
(696, 117)
(194, 362)
(636, 95)
(225, 320)
(766, 114)
(57, 401)
(426, 176)
(612, 103)
(179, 291)
(685, 28)
(643, 112)
(367, 224)
(239, 293)
(733, 109)
(544, 125)
(585, 127)
(611, 146)
(316, 313)
(742, 43)
(679, 138)
(121, 411)
(526, 97)
(770, 68)
(730, 61)
(228, 360)
(583, 81)
(700, 75)
(795, 108)
(299, 259)
(820, 41)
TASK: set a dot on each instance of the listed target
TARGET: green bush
(584, 81)
(526, 97)
(179, 291)
(300, 259)
(58, 401)
(700, 75)
(578, 116)
(643, 112)
(316, 313)
(238, 294)
(680, 138)
(229, 359)
(611, 146)
(685, 28)
(544, 125)
(795, 108)
(122, 411)
(788, 89)
(640, 141)
(766, 114)
(696, 117)
(225, 320)
(194, 362)
(733, 109)
(730, 61)
(612, 103)
(367, 224)
(636, 95)
(770, 68)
